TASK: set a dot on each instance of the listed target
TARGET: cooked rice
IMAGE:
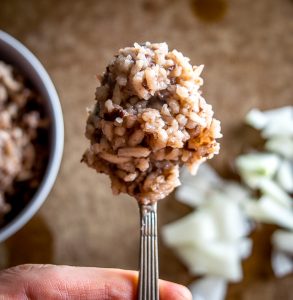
(19, 124)
(149, 119)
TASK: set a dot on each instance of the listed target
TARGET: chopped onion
(279, 122)
(280, 127)
(195, 228)
(209, 288)
(189, 255)
(229, 217)
(252, 181)
(188, 195)
(285, 176)
(258, 164)
(205, 174)
(267, 210)
(281, 113)
(256, 119)
(235, 191)
(244, 247)
(270, 188)
(217, 258)
(283, 241)
(282, 264)
(194, 189)
(275, 122)
(211, 240)
(281, 145)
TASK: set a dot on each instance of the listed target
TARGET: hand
(50, 282)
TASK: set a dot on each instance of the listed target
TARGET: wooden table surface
(248, 54)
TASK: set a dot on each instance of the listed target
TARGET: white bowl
(13, 52)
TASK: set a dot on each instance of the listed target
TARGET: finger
(65, 282)
(173, 291)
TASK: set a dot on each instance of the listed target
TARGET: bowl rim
(56, 154)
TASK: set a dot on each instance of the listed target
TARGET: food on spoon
(149, 119)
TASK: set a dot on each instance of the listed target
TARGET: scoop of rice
(148, 120)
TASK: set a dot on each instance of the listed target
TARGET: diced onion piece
(281, 113)
(235, 191)
(275, 122)
(283, 241)
(195, 262)
(205, 173)
(209, 288)
(281, 127)
(188, 195)
(279, 122)
(267, 210)
(285, 175)
(217, 258)
(282, 264)
(254, 211)
(229, 217)
(256, 119)
(258, 164)
(251, 180)
(270, 188)
(194, 189)
(245, 247)
(281, 145)
(195, 228)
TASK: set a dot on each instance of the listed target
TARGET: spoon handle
(148, 271)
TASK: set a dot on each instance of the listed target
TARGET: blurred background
(247, 49)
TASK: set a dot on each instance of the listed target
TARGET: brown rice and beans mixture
(23, 142)
(149, 119)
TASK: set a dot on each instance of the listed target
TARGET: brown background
(248, 54)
